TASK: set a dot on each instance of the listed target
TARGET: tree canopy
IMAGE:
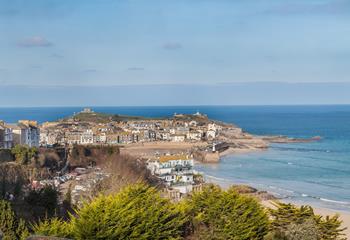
(137, 212)
(218, 214)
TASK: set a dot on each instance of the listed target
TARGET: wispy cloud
(34, 42)
(136, 69)
(172, 46)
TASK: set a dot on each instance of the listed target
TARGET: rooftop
(167, 158)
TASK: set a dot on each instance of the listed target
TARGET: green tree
(10, 226)
(290, 220)
(137, 212)
(45, 198)
(24, 155)
(218, 214)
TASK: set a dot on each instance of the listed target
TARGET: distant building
(178, 138)
(194, 135)
(6, 136)
(175, 170)
(26, 133)
(73, 137)
(87, 110)
(87, 137)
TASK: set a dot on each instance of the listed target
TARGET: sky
(101, 43)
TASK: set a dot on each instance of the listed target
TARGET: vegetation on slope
(139, 212)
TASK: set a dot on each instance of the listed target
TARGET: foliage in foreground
(53, 227)
(10, 227)
(218, 214)
(291, 222)
(137, 212)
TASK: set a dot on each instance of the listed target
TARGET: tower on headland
(87, 110)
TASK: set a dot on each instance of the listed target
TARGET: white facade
(87, 137)
(194, 135)
(100, 138)
(178, 138)
(6, 137)
(26, 134)
(175, 171)
(211, 134)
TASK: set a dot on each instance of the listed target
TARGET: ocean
(316, 173)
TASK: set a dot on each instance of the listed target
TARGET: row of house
(69, 132)
(175, 171)
(25, 132)
(125, 133)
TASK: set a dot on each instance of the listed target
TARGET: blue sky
(50, 43)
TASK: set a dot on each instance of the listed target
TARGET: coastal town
(88, 154)
(168, 146)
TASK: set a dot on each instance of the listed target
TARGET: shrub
(53, 227)
(289, 221)
(24, 155)
(46, 198)
(137, 212)
(218, 214)
(10, 226)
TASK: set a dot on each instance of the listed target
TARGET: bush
(290, 221)
(137, 212)
(53, 227)
(10, 227)
(218, 214)
(24, 154)
(46, 198)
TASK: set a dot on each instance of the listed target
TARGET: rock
(244, 189)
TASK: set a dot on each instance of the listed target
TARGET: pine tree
(10, 227)
(288, 216)
(218, 214)
(137, 212)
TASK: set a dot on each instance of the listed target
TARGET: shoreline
(320, 210)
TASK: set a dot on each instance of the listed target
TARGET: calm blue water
(315, 173)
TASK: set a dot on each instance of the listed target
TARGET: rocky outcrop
(207, 157)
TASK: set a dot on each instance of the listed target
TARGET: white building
(211, 134)
(175, 170)
(26, 133)
(87, 137)
(178, 138)
(195, 135)
(100, 138)
(6, 136)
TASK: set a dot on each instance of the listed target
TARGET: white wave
(216, 178)
(334, 201)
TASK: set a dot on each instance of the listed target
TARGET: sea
(315, 173)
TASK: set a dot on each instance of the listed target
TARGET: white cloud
(35, 42)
